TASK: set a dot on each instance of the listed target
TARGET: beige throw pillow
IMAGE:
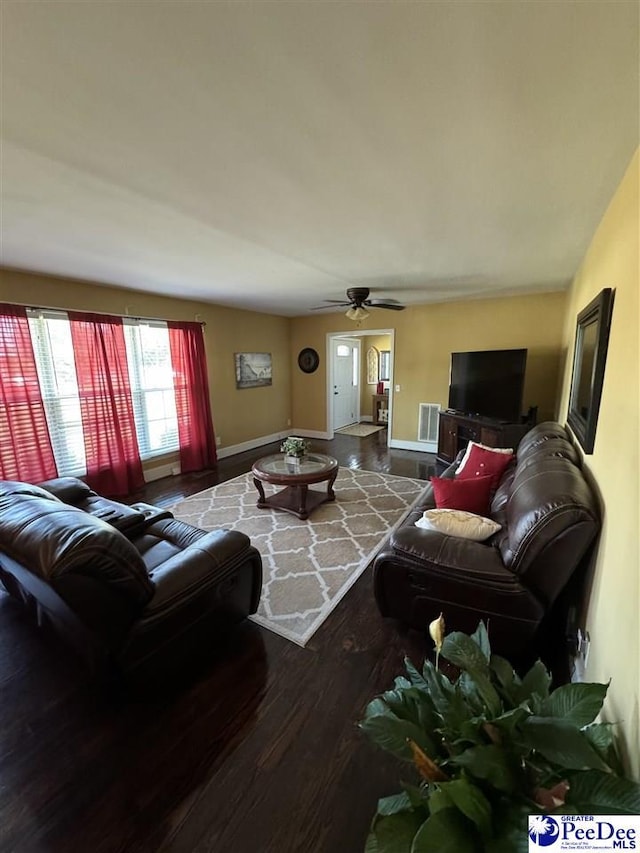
(457, 522)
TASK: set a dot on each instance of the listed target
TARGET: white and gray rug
(308, 565)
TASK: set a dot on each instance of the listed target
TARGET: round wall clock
(308, 360)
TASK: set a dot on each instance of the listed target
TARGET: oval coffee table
(296, 497)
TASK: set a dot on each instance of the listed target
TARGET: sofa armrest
(203, 563)
(442, 554)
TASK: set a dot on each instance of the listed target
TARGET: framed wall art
(589, 359)
(253, 369)
(372, 366)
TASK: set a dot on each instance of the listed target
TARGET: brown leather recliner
(129, 585)
(550, 519)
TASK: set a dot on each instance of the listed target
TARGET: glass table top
(310, 463)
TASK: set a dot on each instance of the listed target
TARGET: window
(151, 378)
(383, 374)
(150, 375)
(53, 350)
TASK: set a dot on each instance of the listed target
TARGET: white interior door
(345, 391)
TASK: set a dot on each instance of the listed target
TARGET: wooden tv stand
(456, 431)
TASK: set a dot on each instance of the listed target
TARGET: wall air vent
(428, 414)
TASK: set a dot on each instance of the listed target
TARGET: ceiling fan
(358, 301)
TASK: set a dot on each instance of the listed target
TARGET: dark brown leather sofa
(550, 519)
(129, 585)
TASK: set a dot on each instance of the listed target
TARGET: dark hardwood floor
(255, 751)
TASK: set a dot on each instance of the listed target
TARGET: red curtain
(25, 444)
(195, 426)
(111, 445)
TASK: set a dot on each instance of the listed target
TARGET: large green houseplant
(490, 748)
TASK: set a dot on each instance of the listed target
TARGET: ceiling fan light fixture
(357, 313)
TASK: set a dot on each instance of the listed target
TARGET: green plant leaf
(510, 720)
(481, 638)
(439, 799)
(577, 703)
(602, 737)
(536, 681)
(441, 690)
(446, 831)
(560, 742)
(394, 804)
(375, 708)
(395, 833)
(414, 676)
(462, 651)
(418, 797)
(506, 678)
(468, 687)
(491, 763)
(415, 706)
(471, 732)
(411, 703)
(391, 734)
(593, 792)
(511, 822)
(470, 800)
(400, 683)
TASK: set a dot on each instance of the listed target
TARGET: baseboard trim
(310, 433)
(423, 446)
(223, 452)
(232, 449)
(161, 471)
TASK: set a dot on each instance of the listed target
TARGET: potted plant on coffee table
(491, 749)
(294, 449)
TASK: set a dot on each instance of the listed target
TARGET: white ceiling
(268, 155)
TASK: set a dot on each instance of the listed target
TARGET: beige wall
(425, 337)
(612, 617)
(238, 415)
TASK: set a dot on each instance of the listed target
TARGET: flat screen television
(488, 383)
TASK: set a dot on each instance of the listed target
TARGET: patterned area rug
(361, 430)
(308, 565)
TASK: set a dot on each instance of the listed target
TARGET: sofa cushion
(455, 522)
(75, 492)
(471, 494)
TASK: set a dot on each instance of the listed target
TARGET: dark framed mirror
(589, 359)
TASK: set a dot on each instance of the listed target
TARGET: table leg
(302, 501)
(261, 499)
(331, 495)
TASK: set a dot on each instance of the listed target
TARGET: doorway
(362, 388)
(345, 391)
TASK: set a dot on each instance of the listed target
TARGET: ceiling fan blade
(392, 306)
(333, 304)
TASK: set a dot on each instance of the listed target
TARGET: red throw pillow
(471, 494)
(485, 463)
